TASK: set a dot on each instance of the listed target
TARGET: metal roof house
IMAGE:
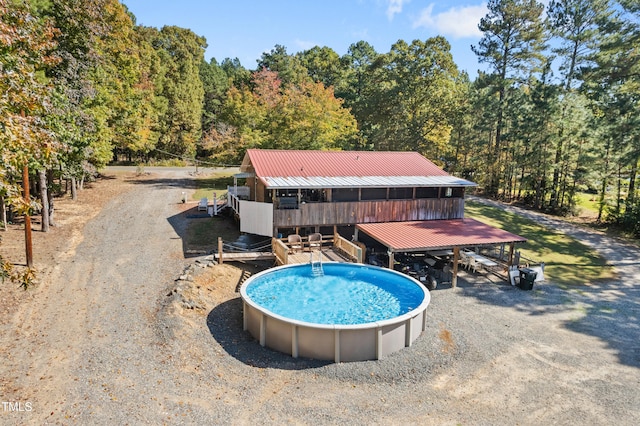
(293, 191)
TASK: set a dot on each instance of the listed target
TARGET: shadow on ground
(197, 230)
(225, 325)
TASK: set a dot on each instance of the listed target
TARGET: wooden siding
(351, 213)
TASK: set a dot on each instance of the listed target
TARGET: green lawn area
(587, 204)
(568, 262)
(206, 186)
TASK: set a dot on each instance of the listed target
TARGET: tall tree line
(560, 104)
(554, 113)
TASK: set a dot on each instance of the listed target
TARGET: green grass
(204, 233)
(587, 203)
(206, 186)
(568, 262)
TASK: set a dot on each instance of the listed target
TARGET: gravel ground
(106, 341)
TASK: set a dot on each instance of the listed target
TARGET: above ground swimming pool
(334, 311)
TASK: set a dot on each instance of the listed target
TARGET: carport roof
(436, 234)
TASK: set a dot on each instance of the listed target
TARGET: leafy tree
(93, 82)
(574, 24)
(26, 46)
(470, 130)
(612, 83)
(322, 65)
(215, 84)
(237, 74)
(150, 106)
(310, 117)
(357, 86)
(512, 42)
(271, 115)
(182, 53)
(417, 97)
(289, 68)
(118, 79)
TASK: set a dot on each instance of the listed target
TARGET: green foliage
(26, 46)
(289, 68)
(182, 53)
(322, 65)
(511, 44)
(92, 83)
(417, 98)
(298, 116)
(215, 84)
(26, 49)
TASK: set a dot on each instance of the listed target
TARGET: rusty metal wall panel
(351, 213)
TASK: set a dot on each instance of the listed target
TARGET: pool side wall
(339, 343)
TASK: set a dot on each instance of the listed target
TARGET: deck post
(392, 260)
(456, 258)
(512, 248)
(220, 250)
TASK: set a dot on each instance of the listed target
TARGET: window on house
(374, 194)
(345, 194)
(400, 193)
(426, 192)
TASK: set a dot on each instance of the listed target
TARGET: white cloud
(394, 7)
(458, 22)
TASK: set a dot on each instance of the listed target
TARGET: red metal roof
(436, 234)
(294, 163)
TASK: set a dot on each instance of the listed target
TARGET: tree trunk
(3, 213)
(50, 197)
(44, 199)
(619, 193)
(631, 194)
(74, 190)
(605, 182)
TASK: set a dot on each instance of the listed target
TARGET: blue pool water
(347, 294)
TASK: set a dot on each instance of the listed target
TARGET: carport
(432, 235)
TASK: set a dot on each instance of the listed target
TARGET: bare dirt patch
(59, 243)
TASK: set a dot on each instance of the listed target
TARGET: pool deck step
(227, 256)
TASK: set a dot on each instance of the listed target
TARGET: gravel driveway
(107, 347)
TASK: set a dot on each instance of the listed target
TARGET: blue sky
(245, 28)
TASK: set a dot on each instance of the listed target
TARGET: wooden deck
(328, 255)
(284, 253)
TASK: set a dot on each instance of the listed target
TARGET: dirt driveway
(100, 341)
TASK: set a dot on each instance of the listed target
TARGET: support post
(392, 260)
(219, 250)
(456, 258)
(512, 248)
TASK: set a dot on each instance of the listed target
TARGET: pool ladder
(316, 265)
